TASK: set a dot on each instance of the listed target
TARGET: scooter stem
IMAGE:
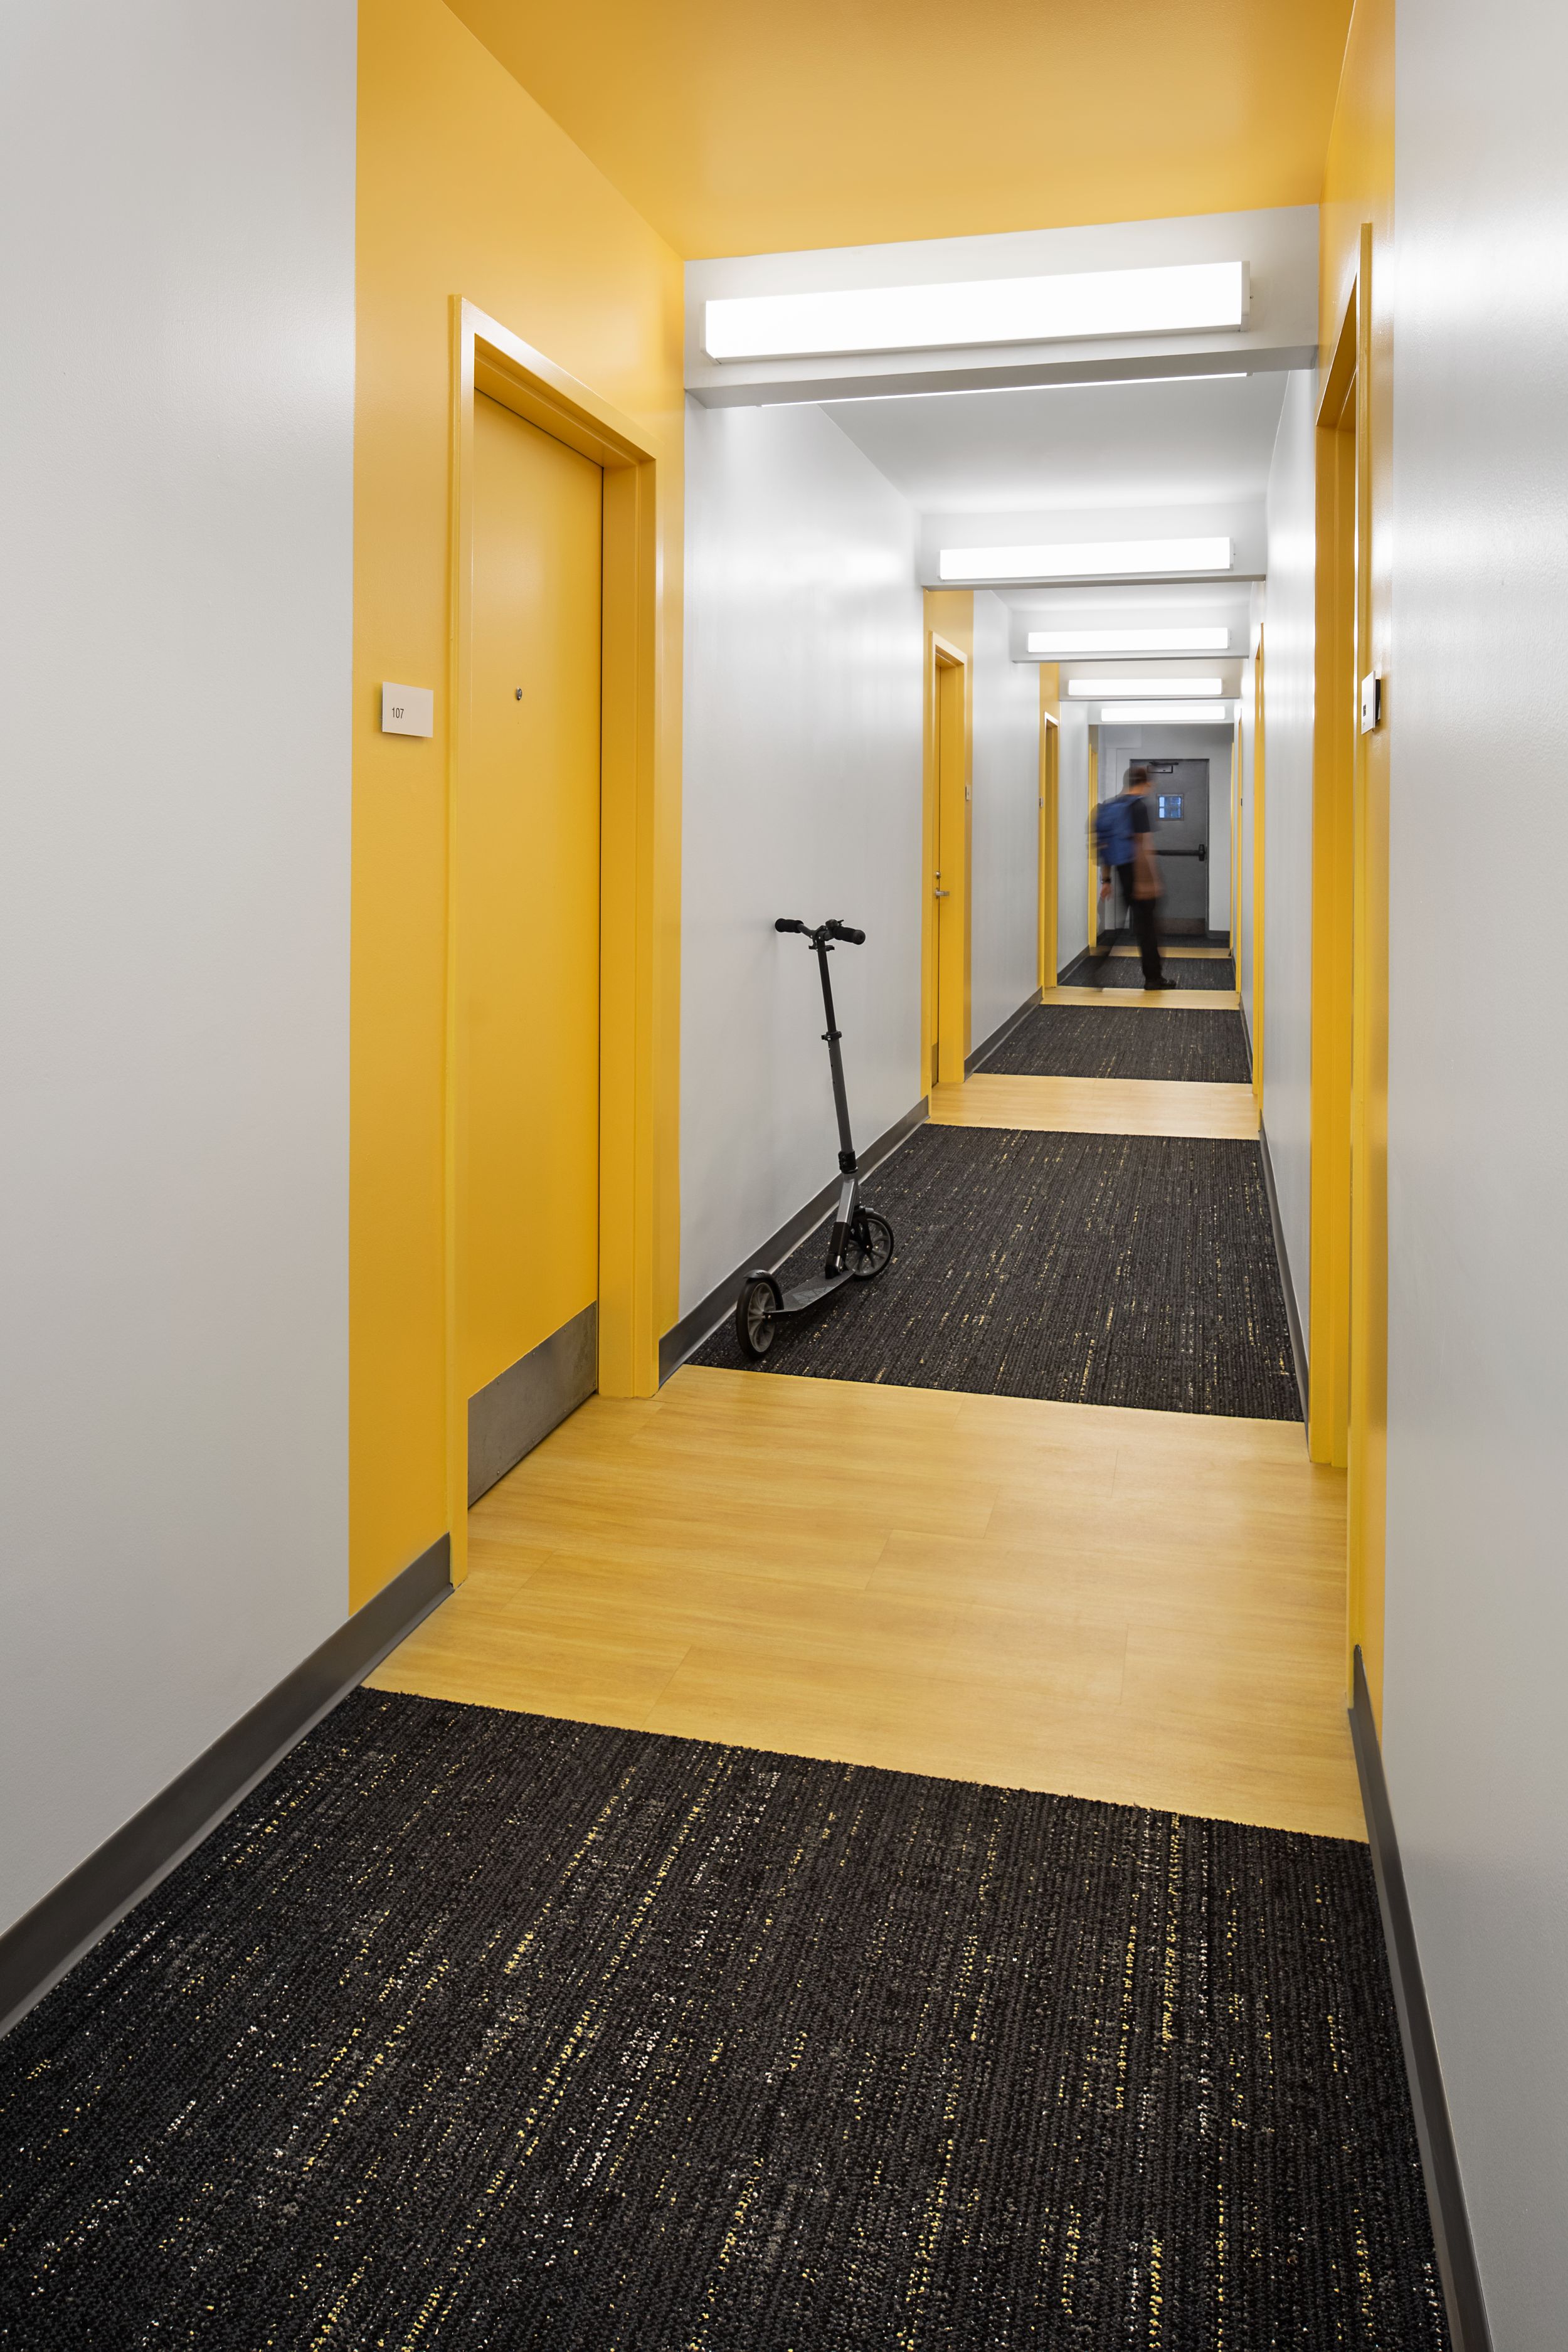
(847, 1162)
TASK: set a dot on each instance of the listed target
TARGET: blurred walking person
(1124, 842)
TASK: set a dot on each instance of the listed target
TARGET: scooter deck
(810, 1294)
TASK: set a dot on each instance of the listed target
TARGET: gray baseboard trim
(1457, 2262)
(1086, 960)
(49, 1938)
(999, 1036)
(1287, 1281)
(513, 1412)
(696, 1328)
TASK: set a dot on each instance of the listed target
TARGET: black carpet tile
(1079, 1040)
(475, 2029)
(1186, 972)
(1101, 1269)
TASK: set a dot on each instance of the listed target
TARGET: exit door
(1178, 801)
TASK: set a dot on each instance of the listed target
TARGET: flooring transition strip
(489, 2028)
(48, 1940)
(1455, 2248)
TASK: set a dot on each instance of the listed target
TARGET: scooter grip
(789, 923)
(845, 931)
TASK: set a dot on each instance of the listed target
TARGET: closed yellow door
(527, 899)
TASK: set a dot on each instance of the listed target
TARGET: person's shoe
(1164, 981)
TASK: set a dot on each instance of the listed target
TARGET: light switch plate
(1371, 702)
(407, 711)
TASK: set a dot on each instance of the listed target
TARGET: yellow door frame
(1334, 754)
(945, 931)
(1348, 1292)
(1260, 869)
(488, 357)
(1093, 847)
(1235, 847)
(1050, 771)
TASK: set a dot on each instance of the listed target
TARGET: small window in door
(1170, 804)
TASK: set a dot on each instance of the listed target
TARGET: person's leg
(1125, 876)
(1146, 926)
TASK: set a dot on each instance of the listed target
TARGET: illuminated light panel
(1099, 558)
(1167, 714)
(1192, 297)
(1095, 689)
(1068, 642)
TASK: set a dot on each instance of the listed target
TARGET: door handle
(942, 894)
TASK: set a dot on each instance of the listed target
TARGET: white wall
(1288, 689)
(175, 471)
(1005, 899)
(1072, 836)
(1475, 1728)
(805, 632)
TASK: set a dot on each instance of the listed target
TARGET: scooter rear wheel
(755, 1309)
(871, 1250)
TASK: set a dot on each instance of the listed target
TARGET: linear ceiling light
(1098, 557)
(1194, 297)
(1166, 714)
(1084, 641)
(1095, 689)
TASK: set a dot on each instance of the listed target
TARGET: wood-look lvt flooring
(1099, 1105)
(1142, 1607)
(1197, 1000)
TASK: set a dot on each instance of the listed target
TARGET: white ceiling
(1073, 447)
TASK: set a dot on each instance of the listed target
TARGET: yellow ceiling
(753, 126)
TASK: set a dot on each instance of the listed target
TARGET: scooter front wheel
(755, 1310)
(871, 1250)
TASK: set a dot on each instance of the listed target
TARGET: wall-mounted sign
(407, 711)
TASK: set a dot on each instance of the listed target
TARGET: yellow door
(527, 899)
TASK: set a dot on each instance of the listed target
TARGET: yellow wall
(465, 187)
(1358, 188)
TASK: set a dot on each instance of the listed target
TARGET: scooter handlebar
(832, 929)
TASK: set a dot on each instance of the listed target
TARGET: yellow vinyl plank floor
(1099, 1105)
(1142, 1607)
(1194, 954)
(1175, 1000)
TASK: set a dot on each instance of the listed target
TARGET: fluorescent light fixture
(1166, 714)
(1067, 642)
(1192, 297)
(1067, 559)
(1095, 689)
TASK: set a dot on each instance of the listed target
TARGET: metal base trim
(1287, 1281)
(521, 1405)
(48, 1940)
(1457, 2262)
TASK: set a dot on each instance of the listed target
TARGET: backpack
(1113, 835)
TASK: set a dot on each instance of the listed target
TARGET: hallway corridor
(780, 1482)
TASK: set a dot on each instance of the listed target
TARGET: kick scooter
(861, 1244)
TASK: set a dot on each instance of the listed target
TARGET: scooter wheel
(754, 1316)
(870, 1247)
